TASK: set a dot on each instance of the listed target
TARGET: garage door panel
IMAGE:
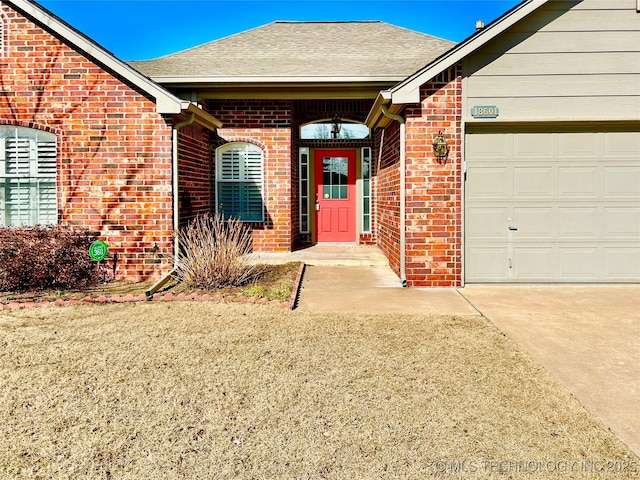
(533, 264)
(578, 182)
(481, 146)
(579, 264)
(491, 264)
(620, 182)
(533, 182)
(579, 223)
(622, 222)
(572, 200)
(492, 183)
(534, 223)
(533, 146)
(488, 223)
(578, 146)
(621, 145)
(621, 264)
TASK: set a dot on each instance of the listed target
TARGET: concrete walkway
(588, 337)
(373, 289)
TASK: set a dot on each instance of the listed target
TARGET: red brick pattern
(266, 124)
(195, 162)
(387, 202)
(114, 150)
(434, 190)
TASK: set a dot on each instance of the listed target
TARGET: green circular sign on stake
(98, 250)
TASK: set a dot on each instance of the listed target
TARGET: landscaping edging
(167, 297)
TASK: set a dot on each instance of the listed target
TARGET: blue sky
(143, 29)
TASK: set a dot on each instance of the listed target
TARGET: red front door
(335, 195)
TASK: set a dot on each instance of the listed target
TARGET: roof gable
(166, 103)
(312, 50)
(408, 91)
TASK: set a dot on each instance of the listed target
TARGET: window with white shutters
(239, 182)
(28, 193)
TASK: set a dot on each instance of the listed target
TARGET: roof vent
(479, 25)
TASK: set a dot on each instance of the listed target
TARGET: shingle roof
(305, 49)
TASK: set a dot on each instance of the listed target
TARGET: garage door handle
(513, 229)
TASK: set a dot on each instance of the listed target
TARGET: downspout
(403, 197)
(175, 177)
(174, 182)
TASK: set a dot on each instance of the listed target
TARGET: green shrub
(47, 257)
(213, 252)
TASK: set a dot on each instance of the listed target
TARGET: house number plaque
(488, 111)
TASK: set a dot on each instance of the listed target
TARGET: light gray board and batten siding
(553, 207)
(580, 64)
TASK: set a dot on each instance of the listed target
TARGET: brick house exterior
(141, 146)
(114, 149)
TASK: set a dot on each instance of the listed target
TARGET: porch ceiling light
(440, 148)
(335, 126)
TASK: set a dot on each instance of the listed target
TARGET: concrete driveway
(588, 337)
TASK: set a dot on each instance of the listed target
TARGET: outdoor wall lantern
(335, 126)
(440, 148)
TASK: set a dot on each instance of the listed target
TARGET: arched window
(334, 129)
(239, 182)
(28, 193)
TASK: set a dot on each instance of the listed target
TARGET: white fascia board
(408, 91)
(166, 103)
(383, 98)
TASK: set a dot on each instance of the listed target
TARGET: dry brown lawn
(199, 390)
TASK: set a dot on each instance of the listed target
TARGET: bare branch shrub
(213, 252)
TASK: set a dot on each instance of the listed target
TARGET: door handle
(512, 228)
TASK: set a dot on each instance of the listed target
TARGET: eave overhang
(202, 118)
(166, 103)
(408, 90)
(277, 88)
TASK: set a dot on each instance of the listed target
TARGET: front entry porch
(327, 254)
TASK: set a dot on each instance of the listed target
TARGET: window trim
(365, 169)
(36, 163)
(304, 191)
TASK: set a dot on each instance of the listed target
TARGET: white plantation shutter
(239, 182)
(47, 192)
(28, 194)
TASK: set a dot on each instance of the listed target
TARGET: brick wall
(434, 190)
(196, 192)
(387, 191)
(114, 150)
(268, 125)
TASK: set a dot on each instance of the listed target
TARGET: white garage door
(552, 207)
